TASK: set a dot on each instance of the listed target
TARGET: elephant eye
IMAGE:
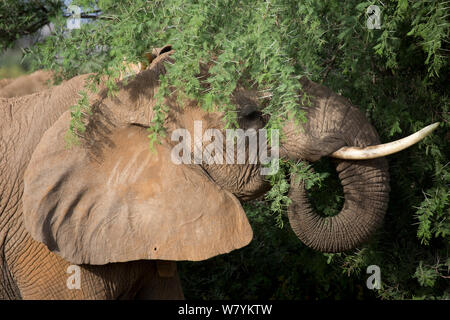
(254, 115)
(251, 117)
(250, 112)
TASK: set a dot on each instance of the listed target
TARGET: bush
(397, 74)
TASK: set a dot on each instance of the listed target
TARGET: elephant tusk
(381, 150)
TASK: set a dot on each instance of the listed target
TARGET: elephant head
(112, 200)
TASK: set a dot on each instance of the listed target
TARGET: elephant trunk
(366, 189)
(334, 124)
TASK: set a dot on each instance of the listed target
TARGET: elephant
(43, 79)
(125, 214)
(5, 81)
(26, 84)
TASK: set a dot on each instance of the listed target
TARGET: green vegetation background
(399, 75)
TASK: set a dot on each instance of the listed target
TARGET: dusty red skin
(87, 205)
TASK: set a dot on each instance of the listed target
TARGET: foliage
(12, 64)
(277, 195)
(78, 113)
(397, 74)
(275, 265)
(20, 18)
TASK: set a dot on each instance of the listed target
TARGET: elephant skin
(27, 84)
(125, 214)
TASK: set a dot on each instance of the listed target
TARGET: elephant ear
(132, 204)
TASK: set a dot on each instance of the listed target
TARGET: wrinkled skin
(112, 207)
(41, 80)
(28, 269)
(27, 84)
